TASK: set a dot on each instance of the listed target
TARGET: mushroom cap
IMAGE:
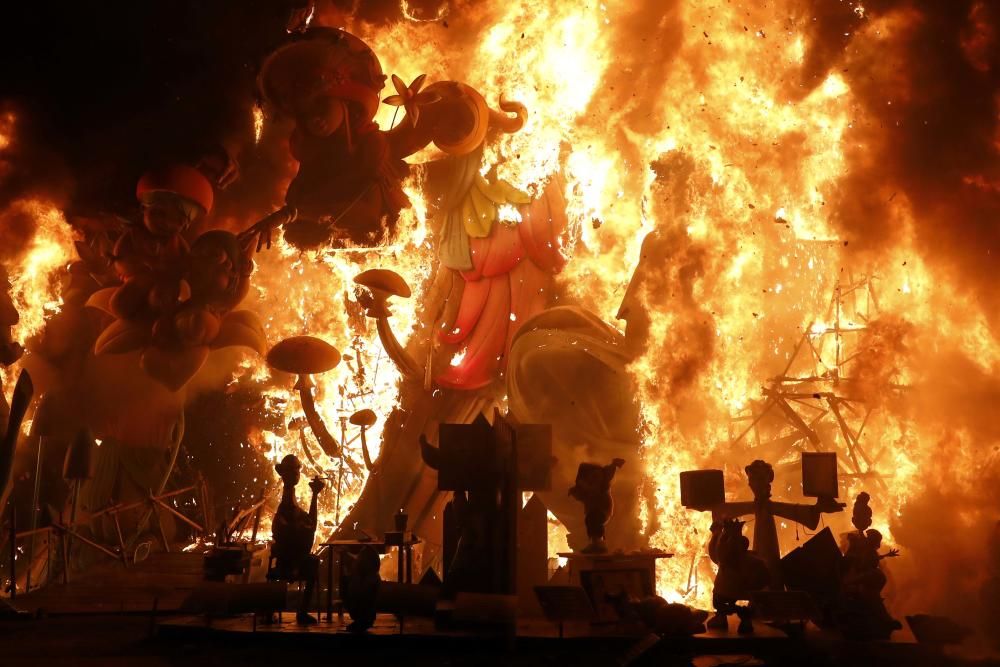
(364, 418)
(385, 281)
(303, 355)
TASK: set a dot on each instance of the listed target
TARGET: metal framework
(65, 533)
(809, 406)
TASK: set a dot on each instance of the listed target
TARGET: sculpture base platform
(417, 639)
(612, 574)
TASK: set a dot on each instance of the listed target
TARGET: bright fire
(313, 293)
(701, 135)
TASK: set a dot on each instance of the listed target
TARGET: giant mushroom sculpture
(380, 284)
(306, 356)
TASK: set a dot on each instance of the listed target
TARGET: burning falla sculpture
(348, 186)
(173, 301)
(760, 476)
(862, 613)
(498, 245)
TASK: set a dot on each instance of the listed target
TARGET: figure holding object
(294, 530)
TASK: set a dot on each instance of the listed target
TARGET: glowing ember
(258, 123)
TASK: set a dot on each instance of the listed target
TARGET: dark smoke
(927, 75)
(113, 88)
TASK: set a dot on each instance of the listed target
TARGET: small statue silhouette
(760, 475)
(361, 590)
(863, 613)
(861, 514)
(293, 530)
(741, 572)
(593, 489)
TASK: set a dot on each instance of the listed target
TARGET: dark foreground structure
(141, 640)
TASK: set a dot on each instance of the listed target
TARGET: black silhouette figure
(593, 489)
(863, 613)
(861, 513)
(760, 475)
(741, 572)
(361, 590)
(293, 530)
(471, 518)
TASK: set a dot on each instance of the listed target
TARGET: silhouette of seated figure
(863, 574)
(293, 530)
(741, 572)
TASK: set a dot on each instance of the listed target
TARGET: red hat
(179, 179)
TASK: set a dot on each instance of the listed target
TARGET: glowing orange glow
(34, 277)
(707, 140)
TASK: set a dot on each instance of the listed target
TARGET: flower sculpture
(410, 97)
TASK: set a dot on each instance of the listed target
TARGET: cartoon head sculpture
(173, 196)
(324, 79)
(861, 516)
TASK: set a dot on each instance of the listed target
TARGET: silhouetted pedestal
(532, 555)
(488, 467)
(609, 575)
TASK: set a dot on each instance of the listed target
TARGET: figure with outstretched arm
(760, 475)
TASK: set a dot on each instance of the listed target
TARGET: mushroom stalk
(395, 351)
(326, 440)
(364, 450)
(376, 286)
(305, 448)
(364, 419)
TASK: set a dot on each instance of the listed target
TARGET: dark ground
(113, 641)
(119, 640)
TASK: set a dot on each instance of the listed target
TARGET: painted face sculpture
(348, 191)
(176, 302)
(348, 183)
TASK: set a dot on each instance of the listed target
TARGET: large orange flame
(688, 120)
